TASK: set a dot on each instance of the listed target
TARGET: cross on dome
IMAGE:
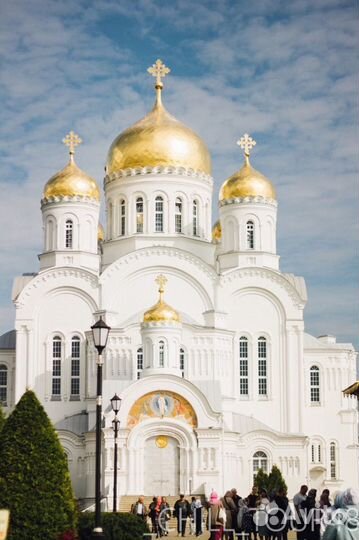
(161, 280)
(246, 143)
(72, 140)
(159, 70)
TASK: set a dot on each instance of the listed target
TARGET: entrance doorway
(161, 466)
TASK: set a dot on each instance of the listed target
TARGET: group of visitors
(268, 516)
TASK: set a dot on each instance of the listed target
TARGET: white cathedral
(207, 348)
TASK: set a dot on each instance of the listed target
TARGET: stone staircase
(127, 501)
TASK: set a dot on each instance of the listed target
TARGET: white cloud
(284, 71)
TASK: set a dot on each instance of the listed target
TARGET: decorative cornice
(158, 251)
(248, 200)
(160, 171)
(266, 274)
(65, 199)
(161, 324)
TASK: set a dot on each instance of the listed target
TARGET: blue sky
(285, 72)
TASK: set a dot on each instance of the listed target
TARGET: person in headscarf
(230, 509)
(311, 516)
(344, 522)
(216, 517)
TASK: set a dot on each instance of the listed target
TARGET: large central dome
(158, 140)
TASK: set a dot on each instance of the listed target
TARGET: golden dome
(100, 233)
(247, 182)
(217, 232)
(71, 181)
(161, 312)
(159, 139)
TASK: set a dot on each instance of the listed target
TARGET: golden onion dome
(217, 232)
(247, 182)
(71, 181)
(161, 312)
(158, 140)
(100, 233)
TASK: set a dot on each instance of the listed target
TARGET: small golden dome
(71, 181)
(217, 232)
(100, 233)
(247, 182)
(161, 312)
(159, 139)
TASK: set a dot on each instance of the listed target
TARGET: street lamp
(100, 332)
(115, 404)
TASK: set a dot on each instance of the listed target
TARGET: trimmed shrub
(116, 526)
(276, 480)
(34, 475)
(2, 418)
(261, 480)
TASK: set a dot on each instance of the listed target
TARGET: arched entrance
(162, 466)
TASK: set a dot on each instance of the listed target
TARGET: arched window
(333, 460)
(262, 367)
(139, 362)
(56, 367)
(250, 235)
(181, 361)
(178, 215)
(314, 385)
(3, 384)
(161, 354)
(122, 217)
(243, 366)
(159, 214)
(316, 452)
(195, 218)
(260, 461)
(50, 235)
(69, 227)
(139, 215)
(75, 367)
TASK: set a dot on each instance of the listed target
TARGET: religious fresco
(161, 405)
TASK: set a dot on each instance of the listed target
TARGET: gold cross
(246, 143)
(72, 140)
(161, 280)
(159, 70)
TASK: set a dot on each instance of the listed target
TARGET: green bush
(271, 482)
(2, 418)
(115, 526)
(34, 477)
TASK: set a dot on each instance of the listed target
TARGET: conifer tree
(34, 478)
(276, 481)
(261, 480)
(2, 418)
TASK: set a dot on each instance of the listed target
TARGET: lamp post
(100, 332)
(115, 404)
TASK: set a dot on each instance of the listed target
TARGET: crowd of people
(268, 516)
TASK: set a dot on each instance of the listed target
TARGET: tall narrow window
(159, 214)
(69, 226)
(75, 366)
(250, 235)
(262, 366)
(313, 453)
(178, 215)
(314, 385)
(139, 362)
(122, 217)
(161, 354)
(3, 384)
(181, 361)
(260, 461)
(243, 366)
(56, 366)
(195, 218)
(139, 215)
(333, 460)
(319, 453)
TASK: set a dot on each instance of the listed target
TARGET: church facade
(207, 348)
